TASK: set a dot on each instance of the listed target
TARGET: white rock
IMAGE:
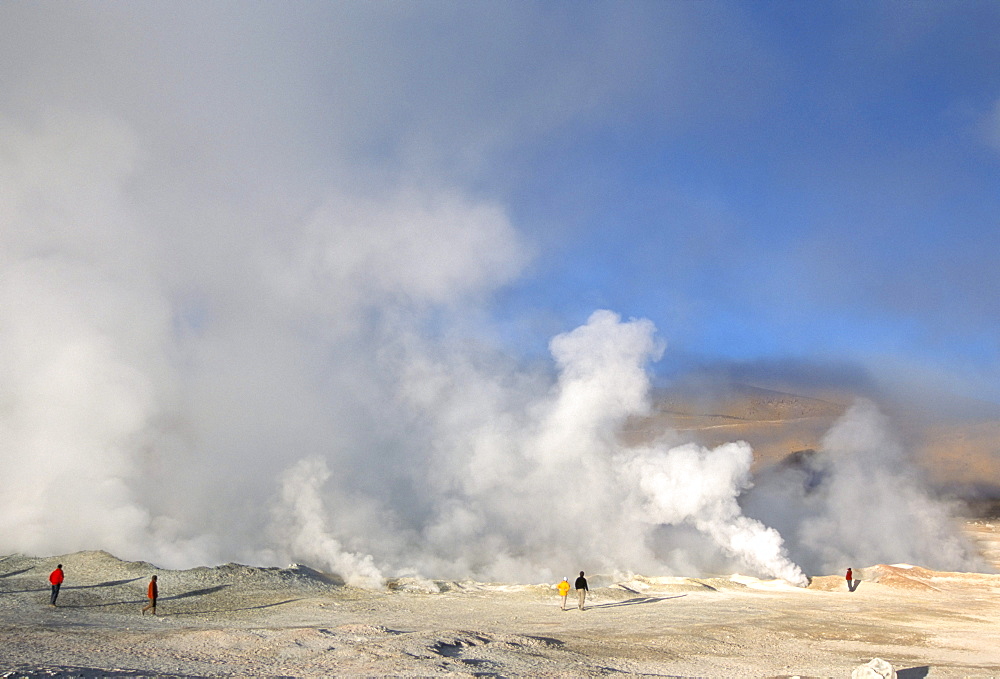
(875, 669)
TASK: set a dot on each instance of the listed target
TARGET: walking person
(581, 589)
(56, 578)
(850, 580)
(563, 588)
(151, 592)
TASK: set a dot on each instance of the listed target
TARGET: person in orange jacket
(152, 592)
(563, 588)
(56, 578)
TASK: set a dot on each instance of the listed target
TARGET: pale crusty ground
(241, 621)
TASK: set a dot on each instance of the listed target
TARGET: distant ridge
(741, 402)
(775, 423)
(957, 443)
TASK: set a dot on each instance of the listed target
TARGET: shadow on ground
(636, 601)
(109, 583)
(233, 610)
(195, 592)
(7, 575)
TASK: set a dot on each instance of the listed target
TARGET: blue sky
(827, 190)
(767, 182)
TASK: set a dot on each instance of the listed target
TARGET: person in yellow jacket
(563, 588)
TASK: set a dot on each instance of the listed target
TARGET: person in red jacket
(152, 592)
(56, 578)
(850, 580)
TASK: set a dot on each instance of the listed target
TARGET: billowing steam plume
(861, 499)
(192, 380)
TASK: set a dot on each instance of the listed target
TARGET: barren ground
(236, 620)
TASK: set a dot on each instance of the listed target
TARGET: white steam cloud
(214, 346)
(301, 525)
(861, 500)
(521, 483)
(695, 485)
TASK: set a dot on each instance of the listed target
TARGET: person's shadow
(637, 600)
(853, 585)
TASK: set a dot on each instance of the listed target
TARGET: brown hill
(959, 450)
(775, 423)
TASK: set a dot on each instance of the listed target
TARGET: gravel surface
(236, 620)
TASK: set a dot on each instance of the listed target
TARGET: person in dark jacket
(151, 592)
(56, 578)
(581, 589)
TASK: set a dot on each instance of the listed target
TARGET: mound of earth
(235, 620)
